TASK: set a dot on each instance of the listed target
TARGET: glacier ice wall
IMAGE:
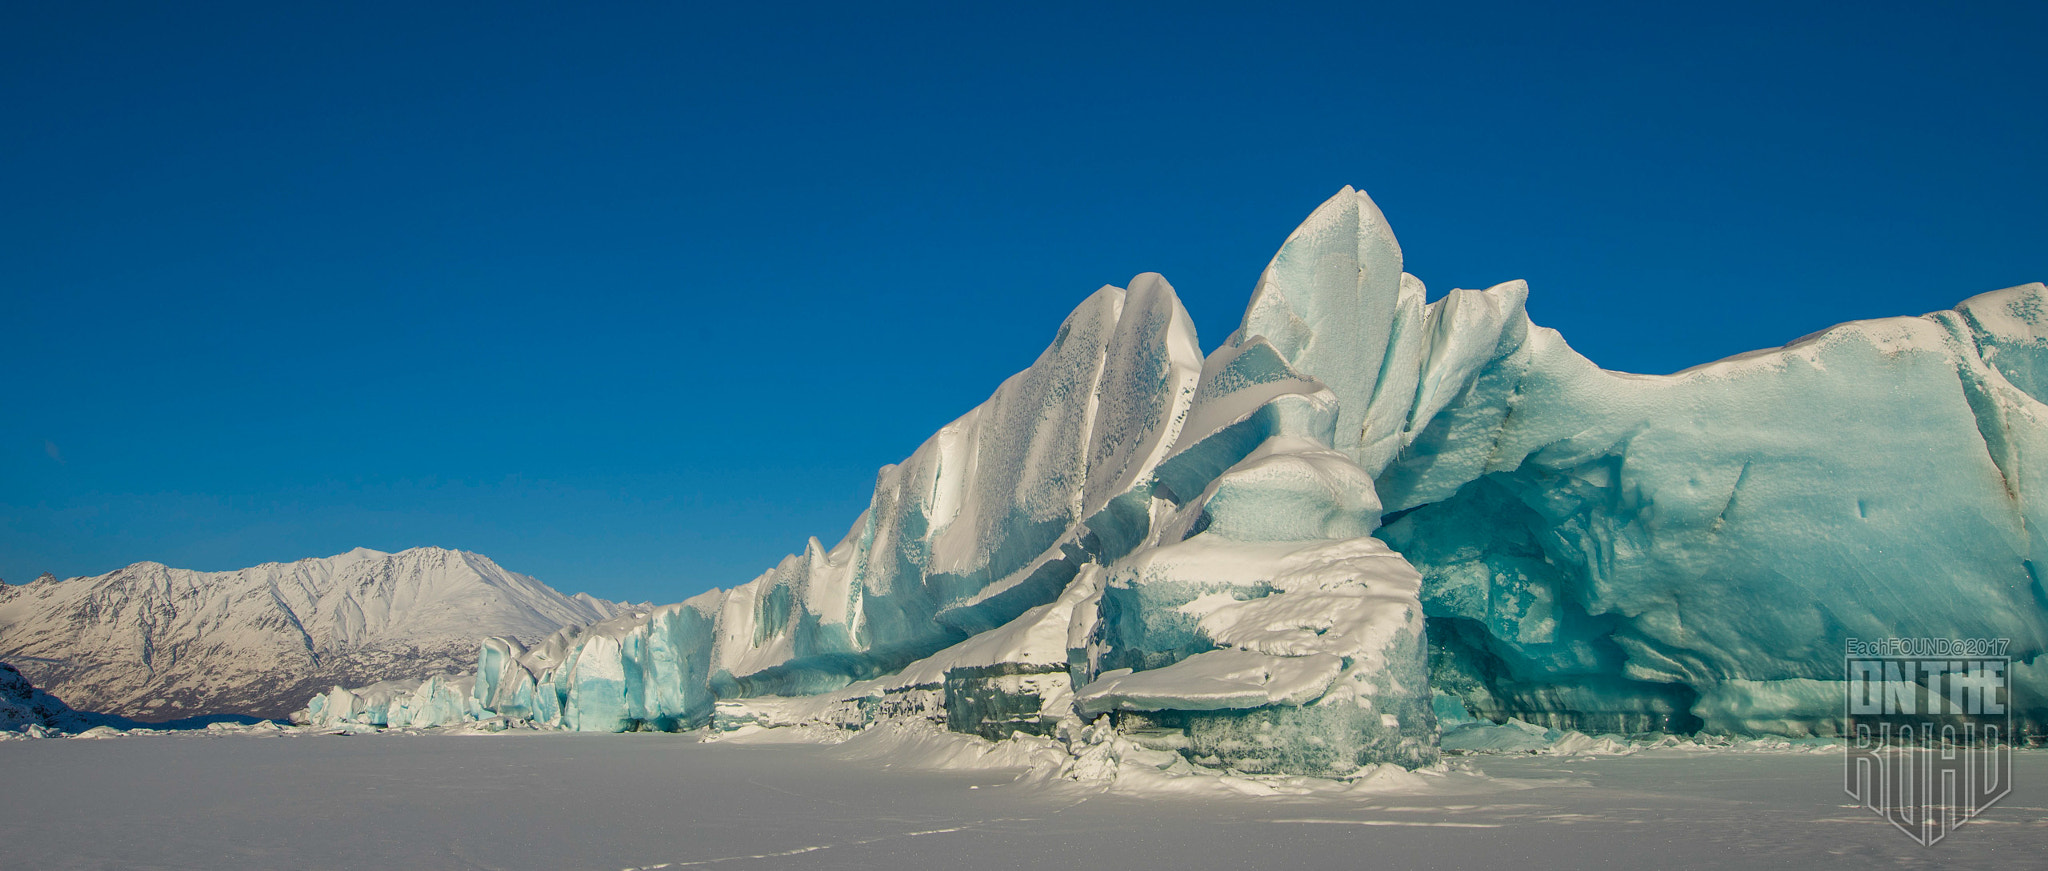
(993, 515)
(1284, 556)
(1693, 551)
(400, 703)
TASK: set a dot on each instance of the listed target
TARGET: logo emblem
(1929, 730)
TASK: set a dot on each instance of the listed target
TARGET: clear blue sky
(634, 300)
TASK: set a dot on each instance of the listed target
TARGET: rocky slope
(23, 706)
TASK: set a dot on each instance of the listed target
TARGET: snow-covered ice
(560, 801)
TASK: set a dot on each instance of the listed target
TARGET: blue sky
(634, 300)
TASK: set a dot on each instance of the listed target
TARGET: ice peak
(1327, 303)
(1349, 212)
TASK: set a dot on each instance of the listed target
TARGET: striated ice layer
(1364, 512)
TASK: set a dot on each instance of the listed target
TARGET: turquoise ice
(1365, 509)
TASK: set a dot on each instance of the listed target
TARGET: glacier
(1363, 512)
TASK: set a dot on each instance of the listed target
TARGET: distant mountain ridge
(157, 643)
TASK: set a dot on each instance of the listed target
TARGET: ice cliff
(1282, 556)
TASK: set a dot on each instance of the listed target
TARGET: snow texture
(911, 798)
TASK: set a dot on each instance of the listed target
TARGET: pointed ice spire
(1327, 303)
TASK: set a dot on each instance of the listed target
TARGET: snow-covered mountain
(157, 643)
(23, 706)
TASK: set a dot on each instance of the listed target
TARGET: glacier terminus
(1363, 514)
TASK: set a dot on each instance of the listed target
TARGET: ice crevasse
(1282, 555)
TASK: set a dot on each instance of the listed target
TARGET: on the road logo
(1929, 730)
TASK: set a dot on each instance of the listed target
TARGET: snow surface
(267, 798)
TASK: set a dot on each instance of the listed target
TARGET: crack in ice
(817, 847)
(1423, 823)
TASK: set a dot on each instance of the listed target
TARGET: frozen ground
(632, 801)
